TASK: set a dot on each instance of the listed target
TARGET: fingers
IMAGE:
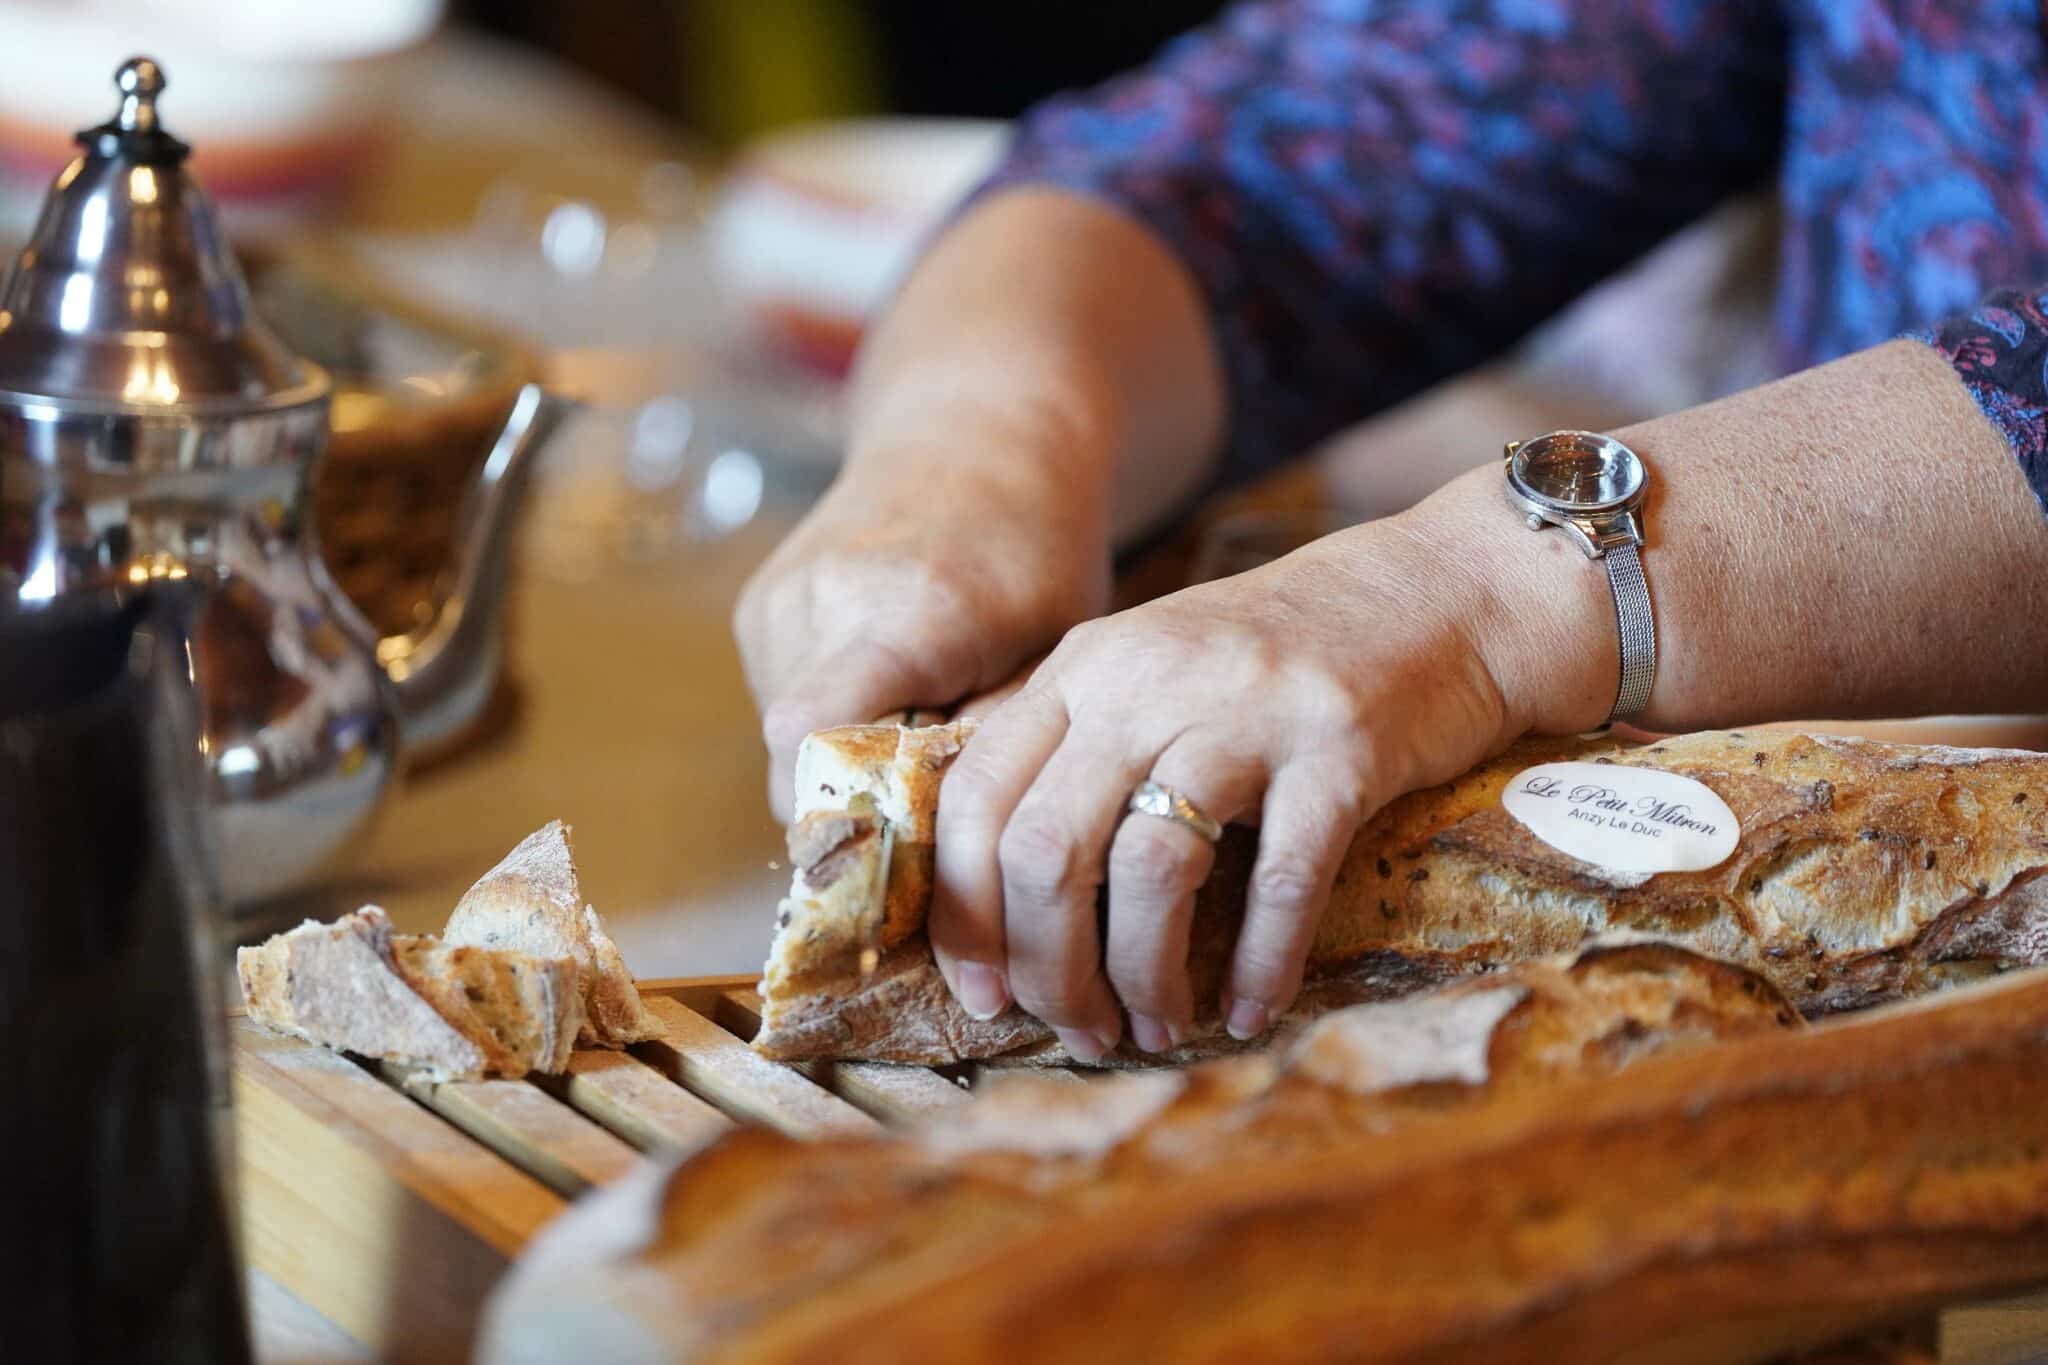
(985, 703)
(979, 792)
(849, 686)
(1053, 852)
(1309, 817)
(1155, 868)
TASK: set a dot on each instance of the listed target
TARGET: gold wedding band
(1158, 799)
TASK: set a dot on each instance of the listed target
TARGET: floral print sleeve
(1374, 195)
(2000, 349)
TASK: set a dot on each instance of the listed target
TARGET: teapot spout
(444, 671)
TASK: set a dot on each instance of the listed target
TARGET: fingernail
(982, 992)
(1149, 1034)
(1247, 1020)
(1082, 1046)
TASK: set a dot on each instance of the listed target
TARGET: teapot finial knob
(134, 131)
(140, 80)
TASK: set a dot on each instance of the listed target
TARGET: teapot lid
(127, 295)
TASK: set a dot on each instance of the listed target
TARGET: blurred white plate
(280, 98)
(815, 225)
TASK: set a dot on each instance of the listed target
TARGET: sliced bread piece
(340, 985)
(532, 902)
(524, 1011)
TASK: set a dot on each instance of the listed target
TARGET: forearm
(1045, 347)
(1855, 540)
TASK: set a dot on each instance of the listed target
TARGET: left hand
(1299, 697)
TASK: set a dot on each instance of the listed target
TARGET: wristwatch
(1591, 487)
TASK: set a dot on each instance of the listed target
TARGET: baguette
(456, 1013)
(532, 902)
(1461, 1176)
(1864, 872)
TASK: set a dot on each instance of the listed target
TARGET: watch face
(1578, 471)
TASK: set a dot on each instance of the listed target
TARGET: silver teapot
(153, 428)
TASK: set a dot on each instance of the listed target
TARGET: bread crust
(1864, 872)
(532, 902)
(525, 972)
(522, 1012)
(1750, 1185)
(341, 985)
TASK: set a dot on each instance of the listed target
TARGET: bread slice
(1627, 1154)
(524, 1011)
(454, 1013)
(532, 903)
(1864, 872)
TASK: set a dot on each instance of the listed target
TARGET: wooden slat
(699, 993)
(892, 1093)
(639, 1103)
(738, 1009)
(724, 1070)
(378, 1214)
(527, 1126)
(1058, 1075)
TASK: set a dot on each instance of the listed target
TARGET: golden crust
(1865, 872)
(1752, 1186)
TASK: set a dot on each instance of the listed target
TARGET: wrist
(1540, 613)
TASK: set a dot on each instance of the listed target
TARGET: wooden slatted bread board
(391, 1204)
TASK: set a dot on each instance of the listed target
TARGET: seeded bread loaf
(1460, 1176)
(1864, 872)
(454, 1012)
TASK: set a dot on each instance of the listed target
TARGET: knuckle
(1285, 882)
(1151, 859)
(967, 790)
(1040, 860)
(927, 592)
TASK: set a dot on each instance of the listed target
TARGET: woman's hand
(873, 606)
(1043, 384)
(1299, 697)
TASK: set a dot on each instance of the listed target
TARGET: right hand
(914, 592)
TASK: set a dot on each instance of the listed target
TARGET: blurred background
(683, 212)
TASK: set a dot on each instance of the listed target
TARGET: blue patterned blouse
(1376, 194)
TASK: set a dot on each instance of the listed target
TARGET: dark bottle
(117, 1239)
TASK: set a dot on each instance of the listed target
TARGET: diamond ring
(1157, 799)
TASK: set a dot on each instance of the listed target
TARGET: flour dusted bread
(523, 973)
(456, 1013)
(532, 902)
(1626, 1154)
(1864, 872)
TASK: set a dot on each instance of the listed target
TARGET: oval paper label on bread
(1628, 820)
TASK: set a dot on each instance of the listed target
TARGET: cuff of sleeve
(2000, 352)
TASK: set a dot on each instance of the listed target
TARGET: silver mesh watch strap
(1638, 631)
